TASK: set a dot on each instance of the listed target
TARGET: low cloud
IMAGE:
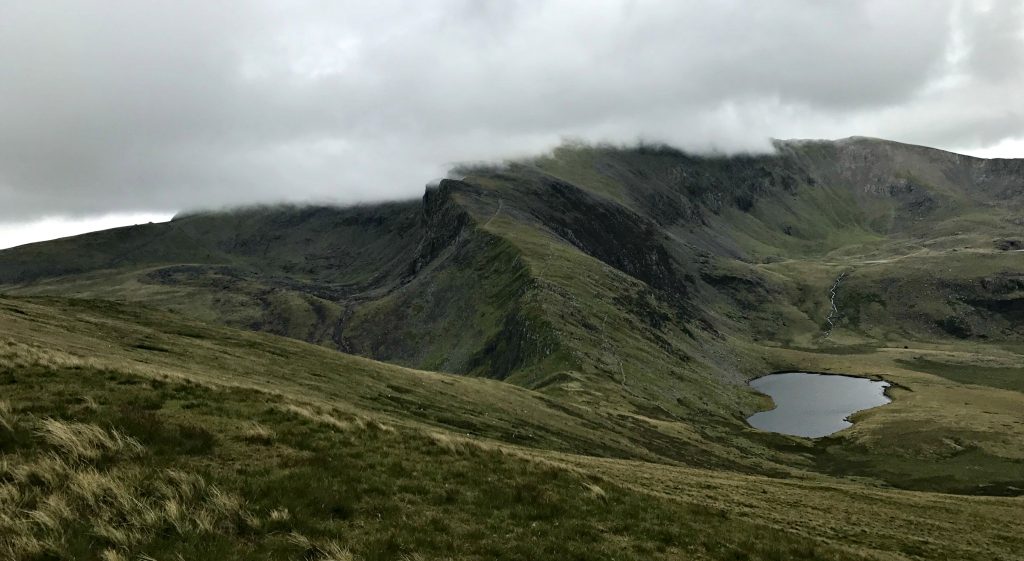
(127, 106)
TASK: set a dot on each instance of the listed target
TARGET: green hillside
(539, 359)
(130, 432)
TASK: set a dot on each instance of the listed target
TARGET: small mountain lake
(814, 405)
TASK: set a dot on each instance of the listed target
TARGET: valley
(545, 359)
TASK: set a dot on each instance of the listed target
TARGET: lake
(814, 405)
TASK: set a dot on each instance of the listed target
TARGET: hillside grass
(127, 432)
(1005, 377)
(937, 434)
(623, 295)
(103, 463)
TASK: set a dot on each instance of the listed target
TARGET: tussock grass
(317, 415)
(90, 404)
(16, 354)
(325, 551)
(595, 491)
(449, 442)
(279, 515)
(7, 418)
(82, 442)
(112, 555)
(82, 477)
(258, 434)
(336, 420)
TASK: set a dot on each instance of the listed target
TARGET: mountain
(598, 308)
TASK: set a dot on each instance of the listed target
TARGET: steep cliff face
(460, 308)
(693, 251)
(444, 222)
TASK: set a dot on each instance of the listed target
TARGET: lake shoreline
(816, 404)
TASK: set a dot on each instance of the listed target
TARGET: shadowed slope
(388, 281)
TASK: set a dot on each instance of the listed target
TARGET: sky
(117, 111)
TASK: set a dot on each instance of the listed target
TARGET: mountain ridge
(545, 357)
(645, 280)
(660, 211)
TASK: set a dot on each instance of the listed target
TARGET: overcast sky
(126, 107)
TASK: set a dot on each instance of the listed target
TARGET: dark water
(814, 405)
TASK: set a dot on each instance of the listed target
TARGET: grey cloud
(123, 106)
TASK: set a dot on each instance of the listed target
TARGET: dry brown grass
(7, 418)
(258, 434)
(318, 415)
(83, 442)
(460, 444)
(112, 555)
(325, 551)
(332, 418)
(16, 354)
(595, 491)
(279, 515)
(44, 494)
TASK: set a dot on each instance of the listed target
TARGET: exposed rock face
(609, 232)
(443, 223)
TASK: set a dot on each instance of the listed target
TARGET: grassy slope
(1005, 377)
(641, 282)
(290, 271)
(366, 280)
(633, 291)
(127, 431)
(900, 287)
